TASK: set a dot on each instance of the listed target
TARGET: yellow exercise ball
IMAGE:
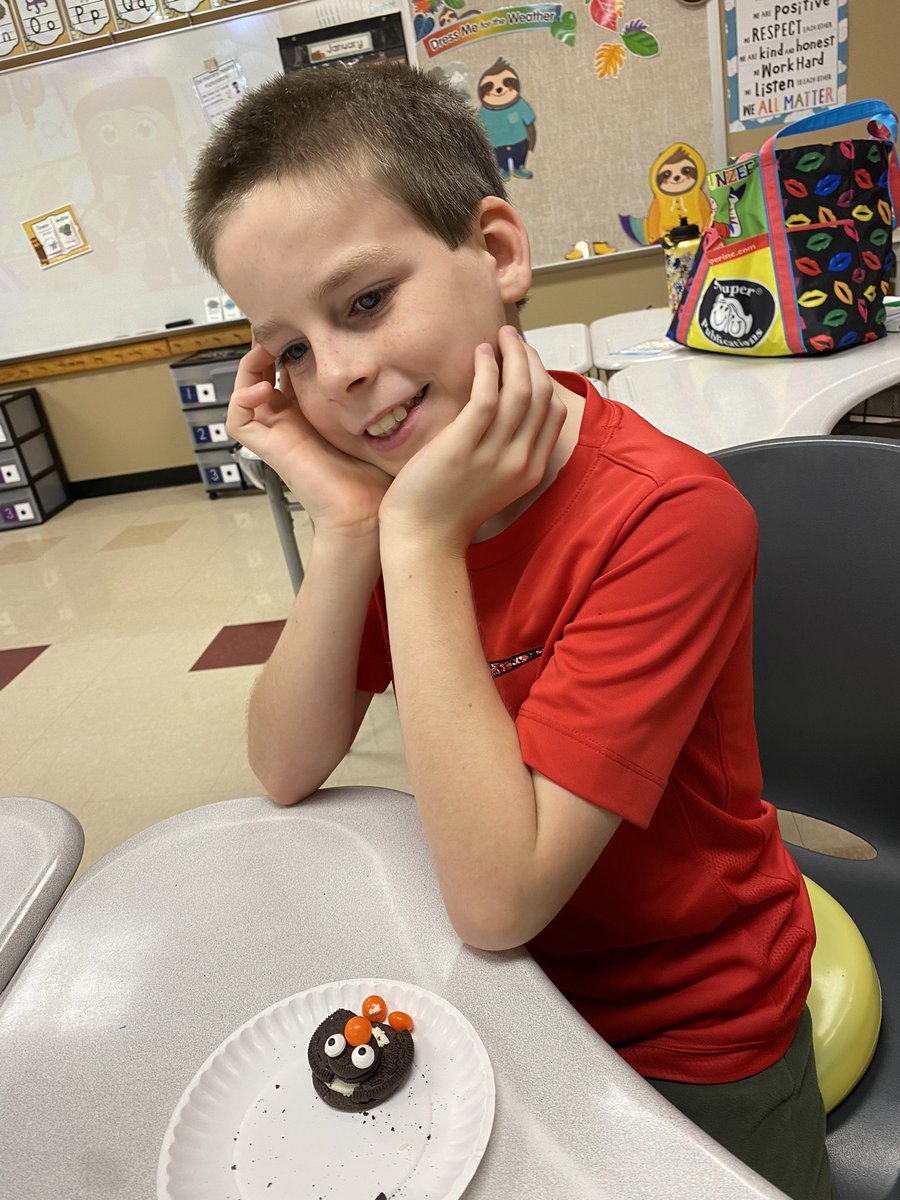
(844, 998)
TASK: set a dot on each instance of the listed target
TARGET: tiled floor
(131, 629)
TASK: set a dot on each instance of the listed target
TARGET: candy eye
(362, 1057)
(335, 1045)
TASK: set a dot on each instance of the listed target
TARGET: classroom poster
(11, 43)
(786, 58)
(42, 24)
(219, 89)
(133, 13)
(56, 237)
(88, 19)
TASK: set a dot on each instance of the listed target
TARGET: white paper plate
(251, 1127)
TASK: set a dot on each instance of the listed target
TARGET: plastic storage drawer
(19, 464)
(207, 377)
(34, 504)
(12, 470)
(19, 416)
(207, 427)
(219, 471)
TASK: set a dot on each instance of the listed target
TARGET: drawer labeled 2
(208, 427)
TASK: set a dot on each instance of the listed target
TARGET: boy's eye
(293, 354)
(372, 301)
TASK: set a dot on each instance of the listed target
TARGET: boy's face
(372, 316)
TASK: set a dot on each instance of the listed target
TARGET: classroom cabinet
(33, 484)
(204, 382)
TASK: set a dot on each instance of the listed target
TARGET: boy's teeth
(388, 423)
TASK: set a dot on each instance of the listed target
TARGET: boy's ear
(505, 238)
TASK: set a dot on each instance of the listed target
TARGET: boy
(560, 594)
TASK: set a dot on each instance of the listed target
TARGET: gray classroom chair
(40, 848)
(827, 701)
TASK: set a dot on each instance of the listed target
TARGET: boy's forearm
(475, 795)
(303, 711)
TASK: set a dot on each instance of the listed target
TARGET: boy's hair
(418, 139)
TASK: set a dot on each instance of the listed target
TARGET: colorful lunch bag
(797, 257)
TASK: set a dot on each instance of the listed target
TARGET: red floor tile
(13, 662)
(240, 646)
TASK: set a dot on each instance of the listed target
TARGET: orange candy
(358, 1031)
(399, 1020)
(374, 1008)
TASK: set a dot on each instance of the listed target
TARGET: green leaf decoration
(810, 161)
(639, 40)
(454, 3)
(564, 29)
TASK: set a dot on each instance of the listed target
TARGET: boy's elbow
(284, 799)
(282, 791)
(490, 927)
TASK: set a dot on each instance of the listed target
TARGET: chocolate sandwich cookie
(357, 1063)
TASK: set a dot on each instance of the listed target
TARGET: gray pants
(774, 1121)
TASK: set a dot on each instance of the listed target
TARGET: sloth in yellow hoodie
(676, 177)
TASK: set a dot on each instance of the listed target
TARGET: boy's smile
(375, 319)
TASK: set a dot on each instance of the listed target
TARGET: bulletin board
(616, 88)
(110, 137)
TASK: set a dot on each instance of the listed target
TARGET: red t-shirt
(615, 615)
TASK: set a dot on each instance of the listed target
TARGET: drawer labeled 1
(197, 393)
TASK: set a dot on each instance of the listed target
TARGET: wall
(95, 414)
(601, 287)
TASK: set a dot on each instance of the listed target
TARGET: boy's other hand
(495, 452)
(340, 493)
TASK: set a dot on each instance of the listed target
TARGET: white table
(562, 347)
(631, 339)
(40, 848)
(183, 933)
(715, 400)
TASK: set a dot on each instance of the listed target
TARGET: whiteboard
(112, 135)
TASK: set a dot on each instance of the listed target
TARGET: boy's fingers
(548, 434)
(478, 415)
(257, 366)
(286, 386)
(516, 386)
(541, 394)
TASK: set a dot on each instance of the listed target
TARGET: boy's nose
(344, 366)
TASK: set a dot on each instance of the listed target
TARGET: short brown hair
(418, 139)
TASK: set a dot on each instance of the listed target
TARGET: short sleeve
(374, 671)
(626, 680)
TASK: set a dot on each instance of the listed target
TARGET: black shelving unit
(33, 483)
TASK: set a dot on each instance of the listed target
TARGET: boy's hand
(340, 493)
(494, 452)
